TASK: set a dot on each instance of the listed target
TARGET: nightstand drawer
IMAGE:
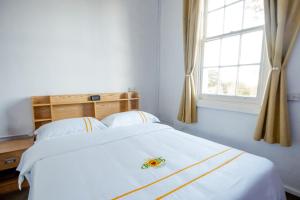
(10, 160)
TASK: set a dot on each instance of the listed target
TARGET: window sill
(242, 107)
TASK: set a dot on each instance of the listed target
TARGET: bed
(145, 161)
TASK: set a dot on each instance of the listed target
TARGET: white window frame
(226, 102)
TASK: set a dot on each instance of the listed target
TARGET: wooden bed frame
(46, 109)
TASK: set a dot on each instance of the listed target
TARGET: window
(232, 49)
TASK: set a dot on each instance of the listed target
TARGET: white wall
(67, 47)
(230, 128)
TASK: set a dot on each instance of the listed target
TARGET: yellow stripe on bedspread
(141, 116)
(199, 177)
(91, 127)
(170, 175)
(86, 126)
(144, 116)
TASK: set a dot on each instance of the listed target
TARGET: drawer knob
(10, 161)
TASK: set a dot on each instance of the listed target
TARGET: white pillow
(66, 127)
(129, 118)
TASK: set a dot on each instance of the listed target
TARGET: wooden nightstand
(10, 155)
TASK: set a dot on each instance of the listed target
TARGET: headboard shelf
(51, 108)
(41, 105)
(42, 120)
(72, 103)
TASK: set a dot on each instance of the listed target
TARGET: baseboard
(292, 190)
(4, 138)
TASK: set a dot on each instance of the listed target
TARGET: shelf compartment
(103, 109)
(107, 97)
(133, 95)
(134, 104)
(40, 100)
(72, 103)
(42, 112)
(72, 111)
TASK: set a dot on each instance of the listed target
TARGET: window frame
(230, 102)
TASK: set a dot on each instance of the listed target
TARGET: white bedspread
(107, 165)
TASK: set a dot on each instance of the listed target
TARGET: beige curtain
(282, 19)
(191, 30)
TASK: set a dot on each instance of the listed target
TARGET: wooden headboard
(46, 109)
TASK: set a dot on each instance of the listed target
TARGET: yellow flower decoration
(154, 162)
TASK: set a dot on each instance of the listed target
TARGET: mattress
(147, 161)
